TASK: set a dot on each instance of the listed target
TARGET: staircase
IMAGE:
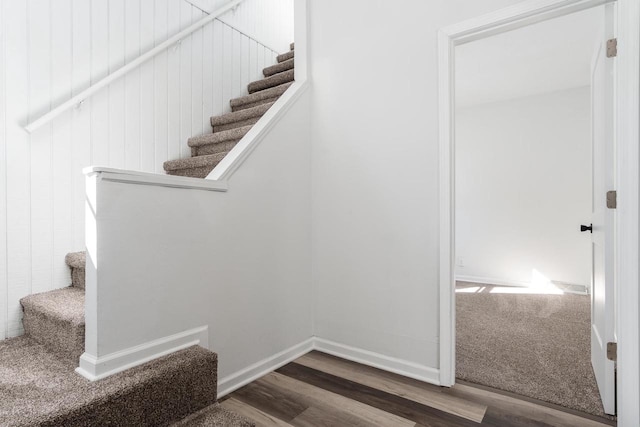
(38, 384)
(209, 149)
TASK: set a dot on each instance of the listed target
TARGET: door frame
(627, 158)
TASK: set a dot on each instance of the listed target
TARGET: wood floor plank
(370, 414)
(392, 403)
(523, 408)
(320, 417)
(278, 403)
(451, 404)
(260, 418)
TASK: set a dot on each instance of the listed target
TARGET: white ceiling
(544, 57)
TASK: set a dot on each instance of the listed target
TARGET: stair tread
(76, 259)
(279, 67)
(285, 56)
(66, 304)
(261, 95)
(217, 137)
(241, 115)
(271, 81)
(194, 162)
(47, 391)
(214, 416)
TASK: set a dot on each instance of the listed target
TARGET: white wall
(50, 51)
(169, 259)
(523, 187)
(375, 171)
(274, 28)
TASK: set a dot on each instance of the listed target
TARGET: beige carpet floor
(533, 345)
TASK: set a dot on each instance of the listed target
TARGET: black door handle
(588, 228)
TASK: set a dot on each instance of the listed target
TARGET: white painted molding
(259, 369)
(95, 368)
(520, 15)
(380, 361)
(158, 180)
(490, 281)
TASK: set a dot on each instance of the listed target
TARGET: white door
(603, 290)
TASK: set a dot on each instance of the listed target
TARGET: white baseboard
(243, 377)
(380, 361)
(96, 368)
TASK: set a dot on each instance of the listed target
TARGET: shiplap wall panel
(18, 162)
(3, 178)
(51, 51)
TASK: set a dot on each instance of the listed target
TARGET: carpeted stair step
(279, 68)
(214, 416)
(219, 142)
(76, 262)
(272, 81)
(39, 389)
(195, 167)
(286, 56)
(292, 46)
(258, 98)
(238, 119)
(55, 319)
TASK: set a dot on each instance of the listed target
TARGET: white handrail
(79, 98)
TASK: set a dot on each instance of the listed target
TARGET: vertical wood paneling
(18, 162)
(81, 125)
(161, 91)
(173, 100)
(116, 129)
(3, 178)
(99, 69)
(132, 148)
(39, 52)
(57, 48)
(186, 81)
(147, 76)
(61, 142)
(197, 97)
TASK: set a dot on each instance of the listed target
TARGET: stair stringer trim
(95, 368)
(237, 156)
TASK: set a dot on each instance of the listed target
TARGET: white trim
(380, 361)
(491, 281)
(82, 96)
(95, 368)
(232, 382)
(627, 236)
(159, 180)
(627, 124)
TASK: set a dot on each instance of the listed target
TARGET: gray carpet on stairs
(76, 262)
(271, 81)
(56, 320)
(533, 345)
(259, 98)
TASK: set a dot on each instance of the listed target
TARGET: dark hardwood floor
(321, 390)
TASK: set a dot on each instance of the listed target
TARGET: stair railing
(82, 96)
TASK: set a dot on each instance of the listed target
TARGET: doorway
(544, 276)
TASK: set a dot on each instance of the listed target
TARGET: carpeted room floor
(533, 345)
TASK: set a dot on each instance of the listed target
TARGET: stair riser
(61, 338)
(254, 104)
(247, 122)
(272, 81)
(159, 401)
(258, 97)
(286, 56)
(77, 277)
(278, 68)
(200, 172)
(220, 147)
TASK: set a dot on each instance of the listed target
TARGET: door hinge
(612, 351)
(612, 199)
(612, 48)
